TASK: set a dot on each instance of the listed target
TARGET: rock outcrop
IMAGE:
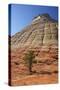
(43, 31)
(41, 36)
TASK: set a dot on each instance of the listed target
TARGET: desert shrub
(28, 58)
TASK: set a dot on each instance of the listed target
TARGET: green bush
(28, 58)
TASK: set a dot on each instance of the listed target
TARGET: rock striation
(41, 36)
(43, 31)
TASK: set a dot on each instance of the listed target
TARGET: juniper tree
(28, 58)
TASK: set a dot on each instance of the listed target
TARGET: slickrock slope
(41, 36)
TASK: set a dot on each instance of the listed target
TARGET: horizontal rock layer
(41, 36)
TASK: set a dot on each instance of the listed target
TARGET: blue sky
(22, 15)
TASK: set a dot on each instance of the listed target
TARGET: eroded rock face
(41, 36)
(42, 31)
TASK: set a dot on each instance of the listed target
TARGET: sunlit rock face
(41, 36)
(43, 31)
